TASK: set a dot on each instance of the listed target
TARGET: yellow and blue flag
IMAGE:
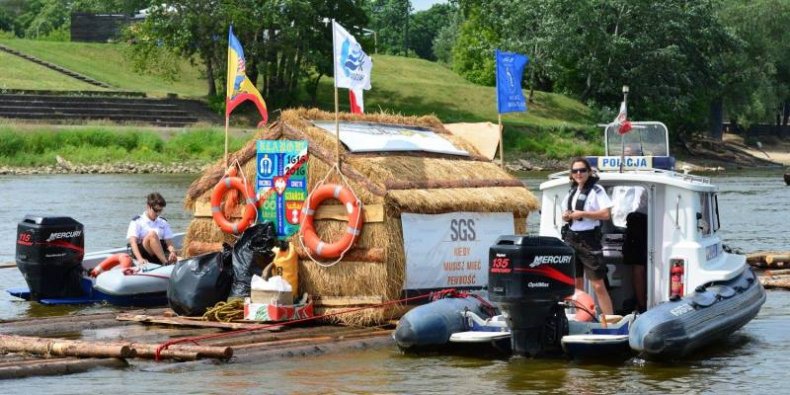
(239, 86)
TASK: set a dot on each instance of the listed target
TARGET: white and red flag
(621, 121)
(356, 100)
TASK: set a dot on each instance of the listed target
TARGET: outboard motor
(49, 252)
(528, 277)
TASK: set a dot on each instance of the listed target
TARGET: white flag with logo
(352, 65)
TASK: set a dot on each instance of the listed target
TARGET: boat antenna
(622, 136)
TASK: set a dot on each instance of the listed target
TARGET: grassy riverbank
(37, 145)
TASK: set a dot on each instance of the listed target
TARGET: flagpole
(337, 106)
(622, 136)
(226, 142)
(501, 142)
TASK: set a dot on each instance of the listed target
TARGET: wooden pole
(777, 258)
(501, 141)
(227, 118)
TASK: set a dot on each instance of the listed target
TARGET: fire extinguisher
(676, 281)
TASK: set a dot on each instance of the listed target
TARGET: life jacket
(582, 198)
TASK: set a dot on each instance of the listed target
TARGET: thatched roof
(411, 182)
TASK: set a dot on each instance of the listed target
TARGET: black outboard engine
(49, 252)
(528, 277)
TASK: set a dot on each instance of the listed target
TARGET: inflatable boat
(50, 255)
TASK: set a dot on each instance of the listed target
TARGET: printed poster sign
(450, 250)
(377, 137)
(281, 184)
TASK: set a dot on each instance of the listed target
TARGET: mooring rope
(196, 339)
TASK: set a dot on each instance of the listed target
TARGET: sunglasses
(157, 210)
(579, 171)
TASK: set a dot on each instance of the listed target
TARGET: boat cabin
(684, 249)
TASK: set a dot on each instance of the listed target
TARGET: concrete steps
(69, 109)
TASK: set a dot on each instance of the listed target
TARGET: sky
(422, 5)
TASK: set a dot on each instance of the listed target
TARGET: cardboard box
(271, 297)
(272, 312)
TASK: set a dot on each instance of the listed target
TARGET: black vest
(586, 188)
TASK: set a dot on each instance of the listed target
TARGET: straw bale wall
(396, 182)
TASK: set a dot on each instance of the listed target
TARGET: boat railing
(671, 173)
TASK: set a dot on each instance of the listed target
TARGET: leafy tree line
(686, 63)
(689, 64)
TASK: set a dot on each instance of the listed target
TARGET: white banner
(352, 65)
(450, 250)
(375, 137)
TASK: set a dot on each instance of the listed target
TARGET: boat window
(704, 216)
(627, 199)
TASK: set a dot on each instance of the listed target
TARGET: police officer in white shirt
(586, 205)
(150, 235)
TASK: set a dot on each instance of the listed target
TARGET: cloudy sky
(422, 5)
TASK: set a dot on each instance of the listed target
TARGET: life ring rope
(353, 231)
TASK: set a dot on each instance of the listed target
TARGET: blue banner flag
(509, 71)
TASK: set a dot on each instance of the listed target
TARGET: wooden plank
(373, 212)
(183, 321)
(7, 265)
(342, 301)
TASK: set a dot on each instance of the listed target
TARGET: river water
(753, 360)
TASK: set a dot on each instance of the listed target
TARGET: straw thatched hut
(388, 184)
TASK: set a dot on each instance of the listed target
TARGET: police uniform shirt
(141, 225)
(595, 200)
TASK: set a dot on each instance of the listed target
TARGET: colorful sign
(281, 184)
(450, 250)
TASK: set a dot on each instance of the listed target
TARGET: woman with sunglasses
(586, 205)
(150, 235)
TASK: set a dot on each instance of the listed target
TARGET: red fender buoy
(582, 299)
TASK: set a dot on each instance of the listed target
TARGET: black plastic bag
(198, 283)
(251, 253)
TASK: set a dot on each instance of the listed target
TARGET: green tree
(425, 26)
(757, 82)
(390, 20)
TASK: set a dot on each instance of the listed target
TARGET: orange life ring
(355, 220)
(110, 262)
(247, 218)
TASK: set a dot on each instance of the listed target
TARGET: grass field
(107, 63)
(18, 73)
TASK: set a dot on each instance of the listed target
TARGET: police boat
(693, 290)
(696, 291)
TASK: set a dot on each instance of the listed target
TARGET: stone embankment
(108, 168)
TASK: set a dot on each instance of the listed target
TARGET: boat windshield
(644, 139)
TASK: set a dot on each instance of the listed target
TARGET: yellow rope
(225, 311)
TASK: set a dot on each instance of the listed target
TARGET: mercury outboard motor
(528, 277)
(49, 252)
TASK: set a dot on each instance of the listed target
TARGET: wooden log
(57, 367)
(776, 282)
(183, 352)
(355, 255)
(7, 265)
(64, 348)
(775, 272)
(182, 321)
(777, 258)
